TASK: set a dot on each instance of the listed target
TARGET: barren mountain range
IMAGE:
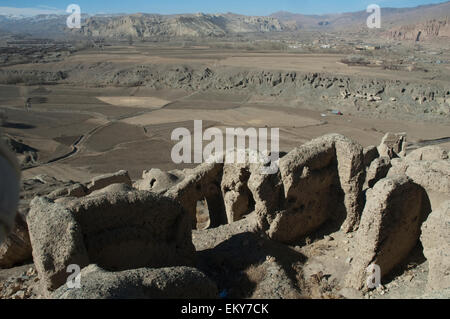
(398, 23)
(391, 17)
(197, 25)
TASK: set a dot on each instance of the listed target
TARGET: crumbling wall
(117, 231)
(389, 229)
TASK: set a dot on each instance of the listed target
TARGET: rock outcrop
(142, 242)
(429, 30)
(201, 183)
(377, 170)
(364, 96)
(389, 228)
(393, 145)
(322, 180)
(76, 190)
(143, 283)
(16, 248)
(428, 153)
(57, 242)
(235, 191)
(370, 154)
(26, 155)
(102, 181)
(436, 247)
(433, 175)
(157, 181)
(124, 230)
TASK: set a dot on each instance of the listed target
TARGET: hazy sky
(250, 7)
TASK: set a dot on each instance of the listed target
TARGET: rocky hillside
(198, 25)
(143, 25)
(367, 97)
(154, 26)
(42, 26)
(349, 20)
(432, 29)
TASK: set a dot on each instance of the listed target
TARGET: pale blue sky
(249, 7)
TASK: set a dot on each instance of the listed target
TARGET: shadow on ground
(228, 262)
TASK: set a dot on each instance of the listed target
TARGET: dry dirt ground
(142, 54)
(82, 132)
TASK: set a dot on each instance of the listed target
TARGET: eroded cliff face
(318, 91)
(432, 29)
